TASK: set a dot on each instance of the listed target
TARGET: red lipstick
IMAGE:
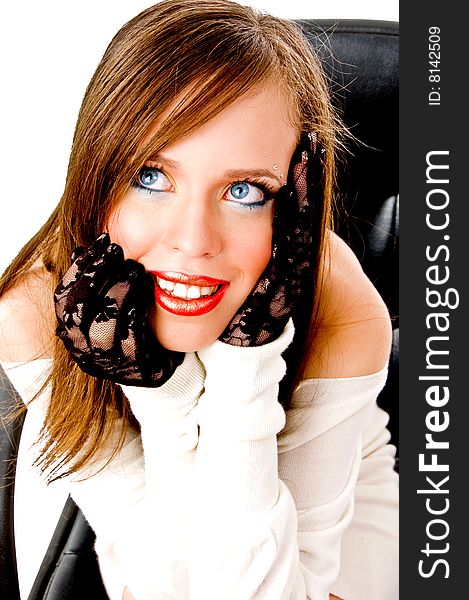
(202, 293)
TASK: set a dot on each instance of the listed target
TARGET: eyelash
(145, 190)
(267, 190)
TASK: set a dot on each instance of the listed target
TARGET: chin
(186, 337)
(182, 346)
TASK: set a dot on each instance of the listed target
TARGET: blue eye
(239, 190)
(152, 180)
(246, 193)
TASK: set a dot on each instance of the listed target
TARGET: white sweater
(223, 495)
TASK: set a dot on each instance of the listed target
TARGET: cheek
(129, 229)
(254, 251)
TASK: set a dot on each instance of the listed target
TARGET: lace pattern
(103, 306)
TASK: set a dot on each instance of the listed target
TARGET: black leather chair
(361, 58)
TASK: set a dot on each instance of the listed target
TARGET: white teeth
(180, 290)
(190, 292)
(193, 292)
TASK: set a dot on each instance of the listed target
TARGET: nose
(194, 229)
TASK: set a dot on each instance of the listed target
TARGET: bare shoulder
(27, 319)
(354, 332)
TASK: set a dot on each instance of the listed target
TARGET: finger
(103, 267)
(77, 252)
(102, 251)
(82, 258)
(115, 300)
(97, 248)
(140, 293)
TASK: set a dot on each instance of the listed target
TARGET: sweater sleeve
(140, 513)
(244, 538)
(272, 511)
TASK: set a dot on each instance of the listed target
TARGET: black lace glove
(264, 314)
(102, 306)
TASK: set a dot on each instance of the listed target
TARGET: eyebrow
(240, 173)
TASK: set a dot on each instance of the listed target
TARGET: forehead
(256, 129)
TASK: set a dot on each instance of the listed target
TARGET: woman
(211, 388)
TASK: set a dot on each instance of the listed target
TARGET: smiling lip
(209, 290)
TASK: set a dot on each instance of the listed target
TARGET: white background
(49, 51)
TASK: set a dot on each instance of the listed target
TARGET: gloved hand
(102, 305)
(265, 313)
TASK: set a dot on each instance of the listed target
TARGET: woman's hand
(102, 305)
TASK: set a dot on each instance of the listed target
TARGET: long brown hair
(204, 55)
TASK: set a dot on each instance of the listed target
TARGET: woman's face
(199, 217)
